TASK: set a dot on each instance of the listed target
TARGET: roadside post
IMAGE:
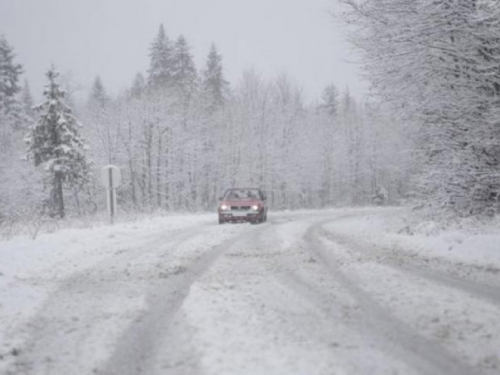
(111, 178)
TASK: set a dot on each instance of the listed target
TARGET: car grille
(240, 208)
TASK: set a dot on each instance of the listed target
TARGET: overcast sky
(111, 38)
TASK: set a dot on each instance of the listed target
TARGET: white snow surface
(347, 291)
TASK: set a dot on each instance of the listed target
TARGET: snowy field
(348, 291)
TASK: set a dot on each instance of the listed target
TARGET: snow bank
(470, 242)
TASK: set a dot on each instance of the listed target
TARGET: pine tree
(55, 143)
(27, 100)
(9, 71)
(138, 86)
(215, 87)
(18, 192)
(10, 109)
(98, 96)
(330, 100)
(160, 66)
(184, 73)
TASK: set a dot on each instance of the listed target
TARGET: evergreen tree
(12, 120)
(138, 86)
(215, 87)
(9, 71)
(98, 95)
(27, 100)
(55, 143)
(184, 74)
(160, 66)
(330, 100)
(10, 108)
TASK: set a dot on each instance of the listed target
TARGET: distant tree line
(182, 135)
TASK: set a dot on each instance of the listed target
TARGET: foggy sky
(111, 38)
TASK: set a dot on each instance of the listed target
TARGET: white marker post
(111, 178)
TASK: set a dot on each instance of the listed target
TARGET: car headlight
(255, 207)
(224, 207)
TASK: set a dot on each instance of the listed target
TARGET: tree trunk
(58, 195)
(158, 168)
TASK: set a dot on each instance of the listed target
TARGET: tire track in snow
(135, 352)
(341, 309)
(424, 355)
(335, 321)
(63, 322)
(486, 292)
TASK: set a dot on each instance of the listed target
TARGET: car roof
(243, 188)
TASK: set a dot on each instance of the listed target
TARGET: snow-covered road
(317, 292)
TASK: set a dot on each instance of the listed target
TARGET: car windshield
(242, 194)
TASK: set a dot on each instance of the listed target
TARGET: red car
(243, 205)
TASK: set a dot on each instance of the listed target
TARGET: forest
(429, 133)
